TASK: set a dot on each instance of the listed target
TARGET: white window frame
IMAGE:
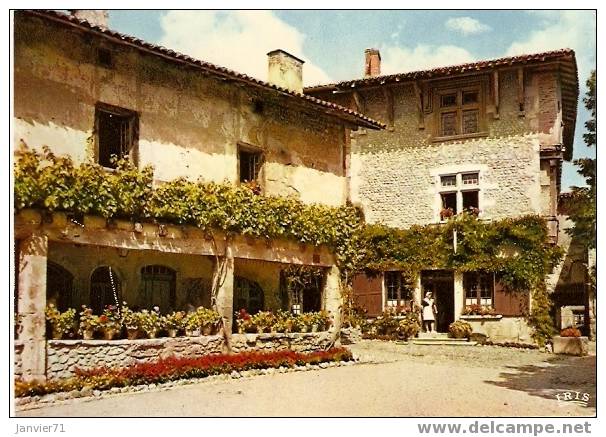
(459, 188)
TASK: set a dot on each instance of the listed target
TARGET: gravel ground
(403, 380)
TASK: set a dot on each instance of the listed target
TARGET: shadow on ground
(559, 374)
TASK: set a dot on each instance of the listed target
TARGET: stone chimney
(285, 70)
(372, 64)
(96, 17)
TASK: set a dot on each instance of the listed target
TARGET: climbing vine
(54, 183)
(517, 249)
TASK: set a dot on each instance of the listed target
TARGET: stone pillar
(417, 292)
(225, 292)
(459, 295)
(333, 300)
(31, 303)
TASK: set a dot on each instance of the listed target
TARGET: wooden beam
(186, 240)
(359, 102)
(418, 90)
(495, 92)
(389, 106)
(521, 91)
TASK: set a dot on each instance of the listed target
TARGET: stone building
(90, 93)
(488, 136)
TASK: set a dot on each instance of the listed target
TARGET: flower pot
(152, 334)
(132, 334)
(57, 334)
(88, 334)
(172, 333)
(207, 329)
(109, 334)
(192, 332)
(303, 329)
(314, 327)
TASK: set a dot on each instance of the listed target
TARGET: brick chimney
(285, 70)
(96, 17)
(372, 64)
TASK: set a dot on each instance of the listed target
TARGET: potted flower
(130, 320)
(61, 323)
(305, 321)
(89, 323)
(460, 329)
(263, 321)
(243, 321)
(209, 320)
(446, 213)
(192, 324)
(110, 322)
(149, 322)
(408, 326)
(174, 322)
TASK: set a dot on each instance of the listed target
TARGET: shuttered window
(510, 302)
(368, 293)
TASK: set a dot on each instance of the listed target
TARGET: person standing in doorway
(429, 312)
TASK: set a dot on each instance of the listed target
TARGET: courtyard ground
(395, 380)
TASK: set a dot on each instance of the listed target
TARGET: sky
(332, 43)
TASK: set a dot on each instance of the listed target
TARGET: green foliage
(515, 248)
(540, 318)
(54, 183)
(582, 203)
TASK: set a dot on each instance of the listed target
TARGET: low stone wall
(501, 329)
(64, 356)
(18, 350)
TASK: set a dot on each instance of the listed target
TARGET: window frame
(402, 292)
(132, 119)
(458, 189)
(260, 174)
(479, 299)
(149, 276)
(458, 109)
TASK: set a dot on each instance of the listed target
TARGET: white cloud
(466, 25)
(403, 59)
(238, 40)
(562, 29)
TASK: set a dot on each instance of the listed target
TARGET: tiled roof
(444, 71)
(329, 108)
(568, 77)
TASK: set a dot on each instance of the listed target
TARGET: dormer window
(459, 112)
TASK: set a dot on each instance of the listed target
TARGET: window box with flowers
(480, 312)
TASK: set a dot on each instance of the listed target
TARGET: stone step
(425, 335)
(443, 342)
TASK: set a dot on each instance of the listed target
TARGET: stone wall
(501, 329)
(18, 350)
(401, 187)
(63, 356)
(190, 124)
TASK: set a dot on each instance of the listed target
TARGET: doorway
(441, 284)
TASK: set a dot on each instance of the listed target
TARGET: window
(248, 295)
(396, 288)
(479, 288)
(250, 165)
(105, 289)
(104, 58)
(117, 132)
(458, 193)
(59, 286)
(459, 112)
(159, 288)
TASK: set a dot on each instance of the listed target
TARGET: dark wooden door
(441, 284)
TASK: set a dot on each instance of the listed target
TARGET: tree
(582, 205)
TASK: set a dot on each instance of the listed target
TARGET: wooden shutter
(510, 303)
(368, 293)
